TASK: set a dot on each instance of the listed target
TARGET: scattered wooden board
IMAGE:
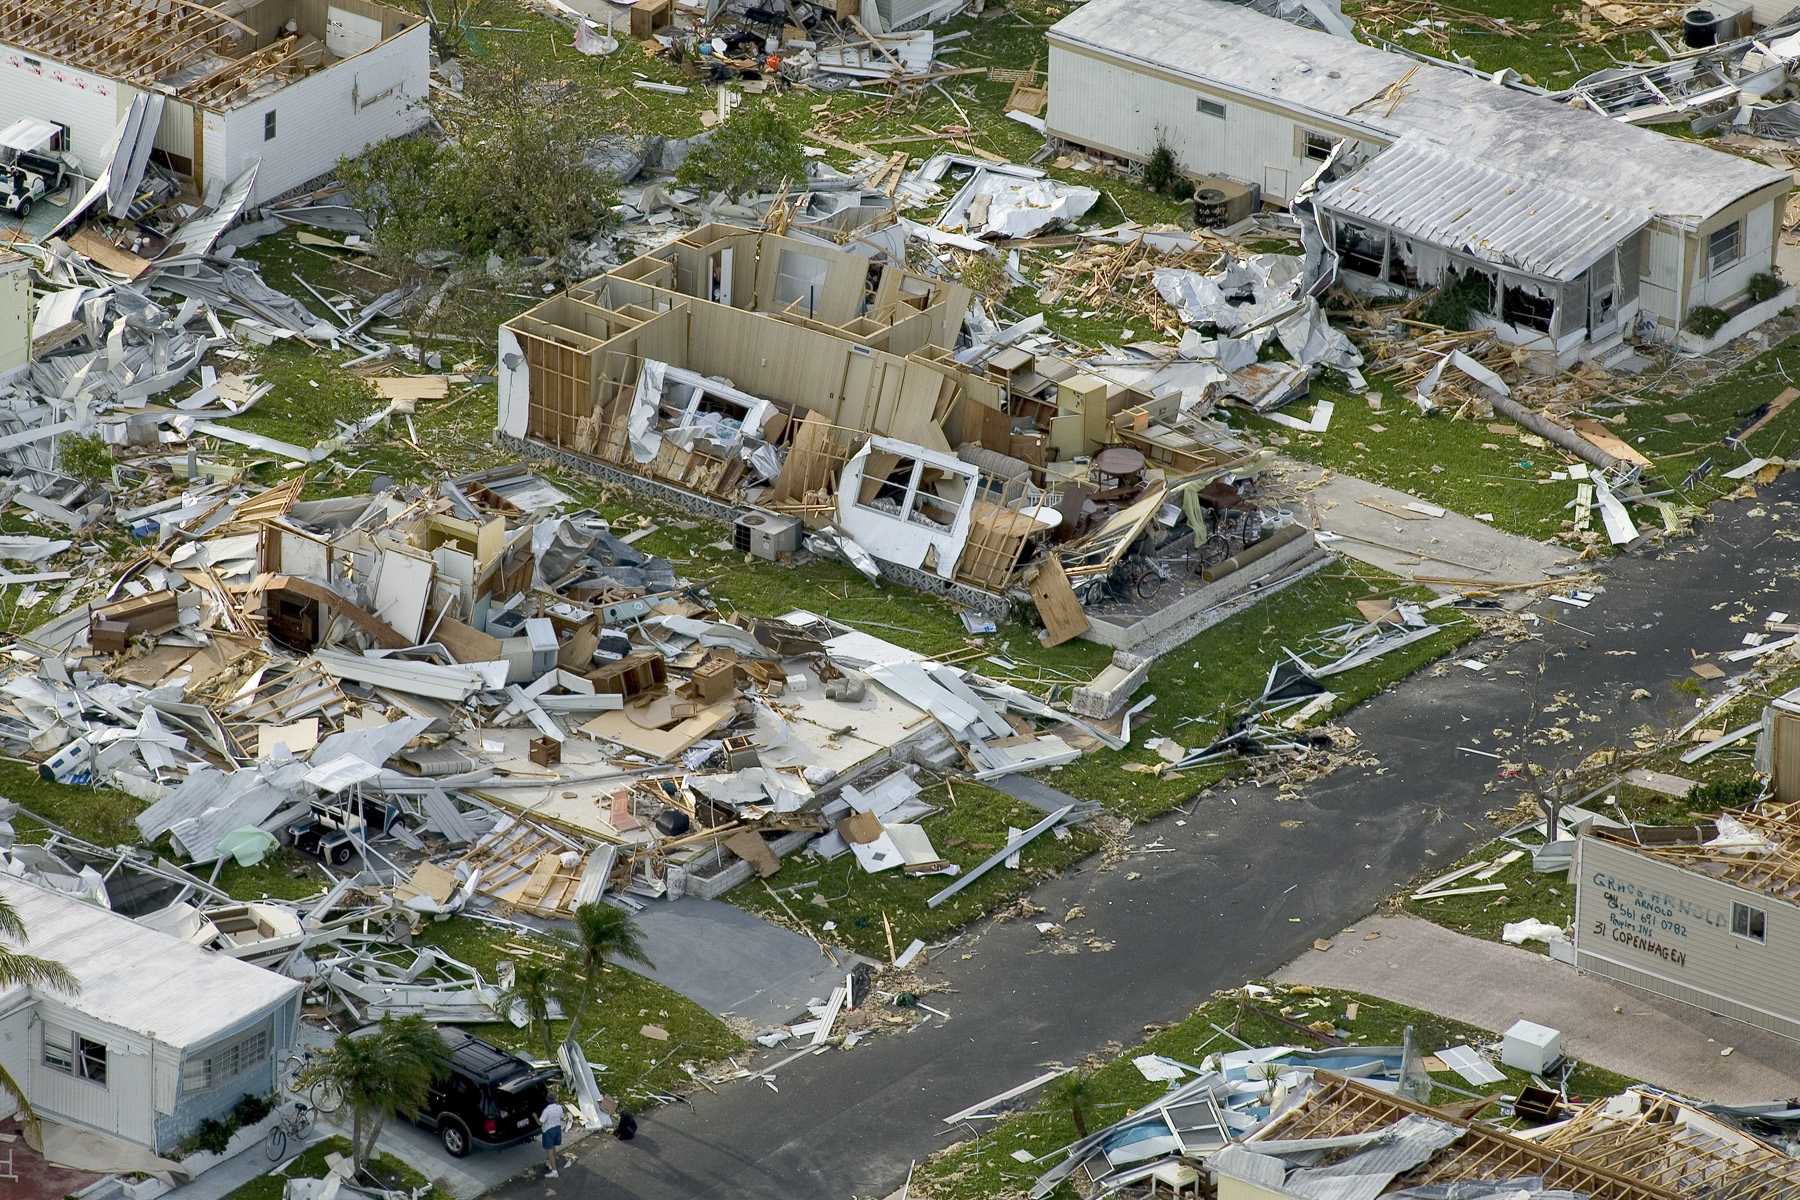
(1707, 671)
(412, 387)
(1392, 510)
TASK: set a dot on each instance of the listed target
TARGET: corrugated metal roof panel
(1441, 197)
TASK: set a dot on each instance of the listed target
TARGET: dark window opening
(1209, 108)
(1318, 145)
(1527, 310)
(268, 126)
(1748, 922)
(1362, 250)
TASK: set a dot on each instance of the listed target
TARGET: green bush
(1706, 320)
(1765, 286)
(754, 152)
(85, 456)
(214, 1135)
(1459, 298)
(252, 1108)
(1182, 188)
(1723, 793)
(1160, 170)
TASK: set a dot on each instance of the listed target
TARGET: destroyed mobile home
(825, 401)
(1337, 1120)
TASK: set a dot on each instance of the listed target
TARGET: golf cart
(33, 164)
(338, 826)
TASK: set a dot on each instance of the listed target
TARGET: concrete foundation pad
(1450, 546)
(1620, 1029)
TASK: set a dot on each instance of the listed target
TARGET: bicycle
(323, 1094)
(296, 1126)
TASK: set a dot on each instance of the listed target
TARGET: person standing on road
(551, 1120)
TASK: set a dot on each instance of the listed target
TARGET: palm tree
(537, 987)
(1076, 1089)
(30, 971)
(602, 932)
(378, 1070)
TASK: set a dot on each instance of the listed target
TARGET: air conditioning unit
(766, 535)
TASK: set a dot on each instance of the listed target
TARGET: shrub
(1159, 169)
(1706, 320)
(213, 1135)
(1765, 286)
(1459, 298)
(1723, 793)
(756, 151)
(85, 456)
(1182, 188)
(252, 1108)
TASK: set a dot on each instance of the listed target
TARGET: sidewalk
(1491, 985)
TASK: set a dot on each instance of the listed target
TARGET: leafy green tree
(393, 184)
(754, 152)
(379, 1071)
(515, 180)
(538, 987)
(602, 933)
(20, 969)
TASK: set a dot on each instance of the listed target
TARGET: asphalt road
(1248, 881)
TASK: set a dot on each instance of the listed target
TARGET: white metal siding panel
(175, 135)
(15, 1044)
(319, 120)
(1659, 289)
(15, 316)
(87, 104)
(1634, 914)
(124, 1106)
(1141, 109)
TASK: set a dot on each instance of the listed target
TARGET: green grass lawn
(635, 1066)
(383, 1171)
(983, 1166)
(971, 828)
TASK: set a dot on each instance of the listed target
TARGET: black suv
(484, 1096)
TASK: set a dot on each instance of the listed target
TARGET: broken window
(1209, 108)
(1361, 250)
(222, 1062)
(1400, 266)
(1317, 145)
(72, 1054)
(1527, 309)
(885, 490)
(1748, 922)
(1724, 247)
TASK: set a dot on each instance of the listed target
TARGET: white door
(1275, 182)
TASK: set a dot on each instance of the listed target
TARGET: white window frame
(1209, 108)
(70, 1053)
(1716, 266)
(1319, 152)
(218, 1064)
(1756, 918)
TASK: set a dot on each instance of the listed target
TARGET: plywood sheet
(1608, 441)
(748, 845)
(412, 387)
(1056, 604)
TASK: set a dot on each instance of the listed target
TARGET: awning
(1431, 194)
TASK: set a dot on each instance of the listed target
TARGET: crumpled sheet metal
(997, 204)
